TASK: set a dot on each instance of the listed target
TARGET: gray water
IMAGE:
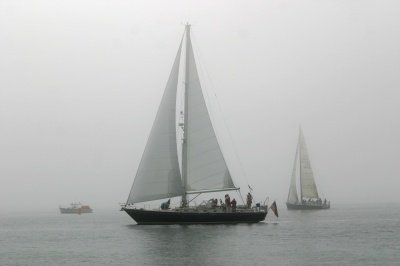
(343, 235)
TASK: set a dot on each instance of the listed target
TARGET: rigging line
(198, 52)
(240, 194)
(194, 198)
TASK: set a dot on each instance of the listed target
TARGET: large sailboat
(201, 168)
(309, 198)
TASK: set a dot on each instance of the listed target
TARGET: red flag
(274, 208)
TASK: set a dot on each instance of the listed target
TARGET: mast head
(187, 27)
(300, 131)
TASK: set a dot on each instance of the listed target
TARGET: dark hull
(142, 216)
(291, 206)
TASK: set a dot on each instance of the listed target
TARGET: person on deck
(215, 203)
(223, 206)
(249, 200)
(233, 204)
(227, 201)
(165, 205)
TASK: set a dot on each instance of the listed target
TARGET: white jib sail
(206, 166)
(292, 197)
(308, 186)
(158, 175)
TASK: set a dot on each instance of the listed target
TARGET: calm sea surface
(344, 235)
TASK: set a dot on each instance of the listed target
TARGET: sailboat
(202, 168)
(309, 198)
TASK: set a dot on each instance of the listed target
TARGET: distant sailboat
(203, 167)
(309, 198)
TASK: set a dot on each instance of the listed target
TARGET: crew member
(233, 204)
(249, 200)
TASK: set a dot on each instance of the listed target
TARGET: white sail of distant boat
(308, 188)
(307, 182)
(203, 167)
(292, 197)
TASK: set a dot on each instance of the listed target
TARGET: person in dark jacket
(165, 205)
(249, 200)
(233, 204)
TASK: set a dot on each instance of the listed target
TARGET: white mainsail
(307, 182)
(292, 197)
(158, 175)
(206, 166)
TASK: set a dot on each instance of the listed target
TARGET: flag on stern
(274, 208)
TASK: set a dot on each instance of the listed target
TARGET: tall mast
(300, 159)
(186, 121)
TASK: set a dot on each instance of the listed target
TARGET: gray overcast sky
(80, 83)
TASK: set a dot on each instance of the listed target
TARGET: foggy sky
(80, 84)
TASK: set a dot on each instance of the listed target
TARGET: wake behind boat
(202, 169)
(309, 198)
